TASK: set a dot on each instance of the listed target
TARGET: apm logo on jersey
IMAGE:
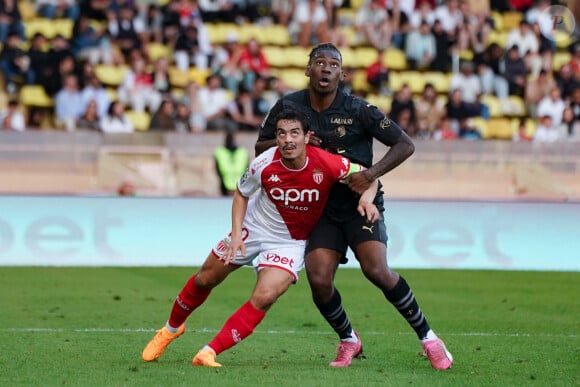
(293, 195)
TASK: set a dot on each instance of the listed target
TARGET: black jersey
(347, 127)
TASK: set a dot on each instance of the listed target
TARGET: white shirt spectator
(546, 134)
(449, 17)
(468, 83)
(525, 42)
(553, 107)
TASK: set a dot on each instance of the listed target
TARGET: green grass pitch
(88, 326)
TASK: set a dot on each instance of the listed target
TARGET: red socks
(186, 302)
(240, 325)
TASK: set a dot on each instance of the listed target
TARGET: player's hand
(314, 140)
(236, 244)
(359, 182)
(368, 210)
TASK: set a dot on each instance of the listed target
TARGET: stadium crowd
(130, 65)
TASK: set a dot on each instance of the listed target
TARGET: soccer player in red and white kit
(292, 182)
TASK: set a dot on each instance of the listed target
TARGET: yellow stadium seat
(530, 125)
(439, 80)
(274, 34)
(111, 75)
(112, 93)
(493, 104)
(395, 59)
(297, 56)
(218, 33)
(34, 95)
(26, 8)
(563, 39)
(276, 56)
(158, 50)
(63, 27)
(350, 34)
(249, 31)
(365, 56)
(481, 125)
(383, 102)
(514, 106)
(293, 78)
(500, 128)
(415, 80)
(198, 76)
(359, 81)
(178, 78)
(559, 59)
(499, 37)
(510, 20)
(140, 121)
(348, 57)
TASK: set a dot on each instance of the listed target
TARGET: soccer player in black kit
(347, 125)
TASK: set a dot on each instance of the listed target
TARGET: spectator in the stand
(405, 121)
(488, 65)
(429, 111)
(275, 89)
(226, 62)
(399, 22)
(37, 118)
(191, 99)
(190, 50)
(575, 60)
(445, 130)
(569, 128)
(521, 134)
(528, 46)
(214, 99)
(12, 117)
(450, 16)
(160, 76)
(457, 110)
(552, 105)
(373, 24)
(14, 64)
(183, 122)
(231, 162)
(575, 103)
(127, 30)
(420, 47)
(56, 9)
(403, 101)
(116, 121)
(566, 81)
(245, 111)
(536, 89)
(547, 48)
(468, 82)
(213, 11)
(442, 60)
(423, 12)
(137, 91)
(547, 132)
(153, 20)
(282, 11)
(163, 118)
(309, 23)
(94, 91)
(90, 119)
(253, 62)
(59, 61)
(10, 20)
(377, 74)
(94, 9)
(38, 56)
(90, 43)
(540, 14)
(67, 103)
(515, 71)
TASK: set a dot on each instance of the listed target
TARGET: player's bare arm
(365, 204)
(396, 154)
(239, 207)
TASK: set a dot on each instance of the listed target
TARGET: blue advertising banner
(119, 231)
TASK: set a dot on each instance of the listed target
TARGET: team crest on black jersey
(340, 131)
(385, 123)
(317, 176)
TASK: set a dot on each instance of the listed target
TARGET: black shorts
(338, 236)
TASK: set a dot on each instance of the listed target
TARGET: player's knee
(264, 300)
(205, 281)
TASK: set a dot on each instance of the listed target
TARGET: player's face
(291, 140)
(325, 72)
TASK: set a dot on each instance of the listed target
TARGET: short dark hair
(321, 47)
(293, 115)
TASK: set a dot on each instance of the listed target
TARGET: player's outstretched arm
(397, 153)
(239, 207)
(365, 203)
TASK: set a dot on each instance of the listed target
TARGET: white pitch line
(288, 332)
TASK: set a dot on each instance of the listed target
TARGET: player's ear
(307, 71)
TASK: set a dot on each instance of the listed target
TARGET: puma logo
(368, 228)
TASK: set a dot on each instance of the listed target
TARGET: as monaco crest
(317, 176)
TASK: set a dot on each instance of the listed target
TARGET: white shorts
(286, 254)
